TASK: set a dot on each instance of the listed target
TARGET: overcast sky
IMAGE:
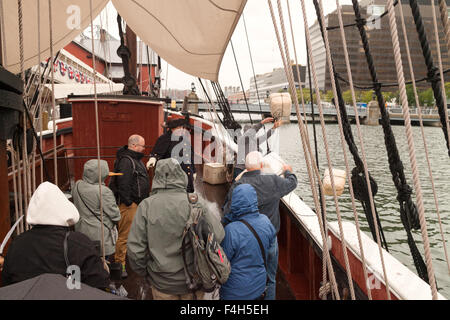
(261, 34)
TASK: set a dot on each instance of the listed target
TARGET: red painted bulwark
(118, 120)
(378, 289)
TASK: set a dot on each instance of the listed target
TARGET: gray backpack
(211, 265)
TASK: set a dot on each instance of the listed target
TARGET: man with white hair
(270, 188)
(248, 141)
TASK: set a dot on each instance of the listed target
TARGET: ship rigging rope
(419, 109)
(242, 85)
(55, 157)
(411, 147)
(343, 125)
(327, 264)
(254, 78)
(358, 182)
(363, 153)
(367, 86)
(25, 164)
(441, 74)
(16, 203)
(444, 19)
(365, 21)
(296, 62)
(408, 210)
(303, 102)
(442, 7)
(97, 132)
(432, 71)
(3, 37)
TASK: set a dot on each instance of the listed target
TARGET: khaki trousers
(126, 220)
(158, 295)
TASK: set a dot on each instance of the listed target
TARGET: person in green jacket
(154, 241)
(86, 199)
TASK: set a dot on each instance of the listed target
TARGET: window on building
(375, 10)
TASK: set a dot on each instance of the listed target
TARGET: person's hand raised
(267, 120)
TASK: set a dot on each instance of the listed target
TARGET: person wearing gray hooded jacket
(87, 200)
(155, 238)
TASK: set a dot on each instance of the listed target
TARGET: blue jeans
(272, 266)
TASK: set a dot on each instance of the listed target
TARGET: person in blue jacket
(247, 280)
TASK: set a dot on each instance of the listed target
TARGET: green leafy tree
(366, 96)
(426, 97)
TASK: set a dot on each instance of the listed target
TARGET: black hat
(175, 123)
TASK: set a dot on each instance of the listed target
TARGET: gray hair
(253, 160)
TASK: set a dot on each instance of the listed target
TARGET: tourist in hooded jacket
(40, 250)
(247, 280)
(86, 197)
(155, 238)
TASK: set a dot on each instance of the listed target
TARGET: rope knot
(433, 76)
(324, 290)
(359, 184)
(377, 86)
(408, 207)
(360, 22)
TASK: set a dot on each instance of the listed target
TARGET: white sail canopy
(192, 35)
(69, 19)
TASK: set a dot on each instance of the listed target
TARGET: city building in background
(380, 44)
(273, 82)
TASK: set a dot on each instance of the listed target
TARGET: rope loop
(377, 86)
(359, 184)
(324, 290)
(433, 76)
(408, 207)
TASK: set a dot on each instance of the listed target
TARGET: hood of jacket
(169, 175)
(49, 206)
(244, 201)
(90, 173)
(124, 151)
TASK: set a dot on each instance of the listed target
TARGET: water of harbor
(290, 148)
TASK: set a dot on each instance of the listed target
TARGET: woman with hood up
(86, 197)
(50, 246)
(247, 280)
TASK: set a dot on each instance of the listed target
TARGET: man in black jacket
(130, 189)
(175, 143)
(50, 246)
(270, 188)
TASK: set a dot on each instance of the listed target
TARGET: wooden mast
(132, 45)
